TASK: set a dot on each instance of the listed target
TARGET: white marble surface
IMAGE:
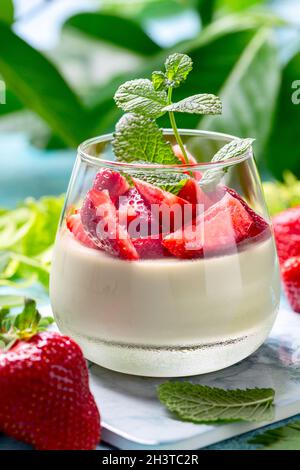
(133, 417)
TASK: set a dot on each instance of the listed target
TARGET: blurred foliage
(27, 236)
(7, 11)
(237, 54)
(282, 195)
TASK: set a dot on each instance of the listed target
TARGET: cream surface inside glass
(167, 316)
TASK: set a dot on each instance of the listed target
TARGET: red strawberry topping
(99, 218)
(259, 226)
(112, 181)
(192, 160)
(154, 195)
(133, 206)
(192, 193)
(75, 226)
(150, 247)
(171, 211)
(219, 229)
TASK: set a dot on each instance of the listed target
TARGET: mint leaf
(202, 404)
(178, 66)
(159, 80)
(139, 96)
(197, 104)
(282, 438)
(171, 182)
(233, 149)
(138, 138)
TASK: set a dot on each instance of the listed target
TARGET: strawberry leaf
(22, 326)
(203, 404)
(29, 318)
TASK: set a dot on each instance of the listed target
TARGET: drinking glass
(153, 286)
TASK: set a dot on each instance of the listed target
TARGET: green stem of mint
(175, 129)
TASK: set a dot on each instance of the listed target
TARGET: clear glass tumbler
(152, 274)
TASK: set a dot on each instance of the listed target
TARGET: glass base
(172, 361)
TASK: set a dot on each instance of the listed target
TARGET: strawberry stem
(23, 326)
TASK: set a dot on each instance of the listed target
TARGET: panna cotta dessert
(149, 302)
(164, 263)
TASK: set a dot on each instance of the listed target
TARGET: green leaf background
(237, 54)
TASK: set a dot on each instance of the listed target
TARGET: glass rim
(87, 157)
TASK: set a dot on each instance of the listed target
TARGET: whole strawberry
(290, 271)
(44, 389)
(287, 233)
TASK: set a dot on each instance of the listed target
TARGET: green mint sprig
(177, 68)
(138, 138)
(233, 149)
(203, 404)
(152, 99)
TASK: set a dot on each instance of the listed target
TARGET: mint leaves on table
(282, 438)
(151, 99)
(233, 149)
(203, 404)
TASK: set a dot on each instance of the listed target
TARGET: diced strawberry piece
(133, 206)
(171, 211)
(192, 160)
(287, 233)
(259, 226)
(126, 214)
(99, 218)
(290, 272)
(150, 247)
(192, 193)
(112, 181)
(185, 243)
(155, 195)
(103, 203)
(75, 226)
(218, 230)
